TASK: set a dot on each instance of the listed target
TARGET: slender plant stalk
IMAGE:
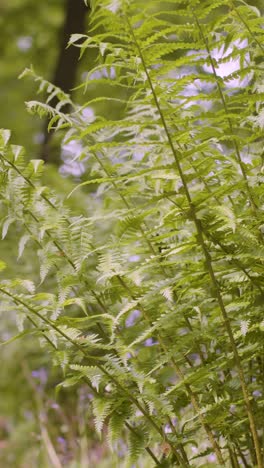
(193, 398)
(45, 437)
(96, 363)
(64, 254)
(178, 370)
(233, 458)
(223, 100)
(130, 428)
(245, 23)
(208, 259)
(242, 456)
(209, 262)
(181, 447)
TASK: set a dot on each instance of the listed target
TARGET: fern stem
(49, 202)
(224, 249)
(242, 456)
(233, 458)
(153, 456)
(151, 248)
(130, 428)
(235, 261)
(42, 332)
(227, 251)
(223, 100)
(193, 397)
(233, 7)
(184, 459)
(204, 248)
(64, 254)
(205, 251)
(209, 263)
(95, 359)
(227, 324)
(260, 362)
(181, 447)
(48, 322)
(92, 388)
(26, 179)
(61, 250)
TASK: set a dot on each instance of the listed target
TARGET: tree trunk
(66, 67)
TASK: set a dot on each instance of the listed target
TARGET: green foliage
(29, 32)
(158, 295)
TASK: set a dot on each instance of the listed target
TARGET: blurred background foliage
(29, 33)
(36, 428)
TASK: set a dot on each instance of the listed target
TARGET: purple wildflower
(132, 317)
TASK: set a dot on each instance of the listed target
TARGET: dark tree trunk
(67, 62)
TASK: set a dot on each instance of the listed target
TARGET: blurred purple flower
(150, 342)
(195, 359)
(122, 449)
(24, 43)
(88, 114)
(54, 405)
(132, 317)
(40, 374)
(61, 440)
(134, 258)
(168, 429)
(38, 138)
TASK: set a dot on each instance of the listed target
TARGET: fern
(174, 232)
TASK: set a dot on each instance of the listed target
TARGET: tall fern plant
(159, 299)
